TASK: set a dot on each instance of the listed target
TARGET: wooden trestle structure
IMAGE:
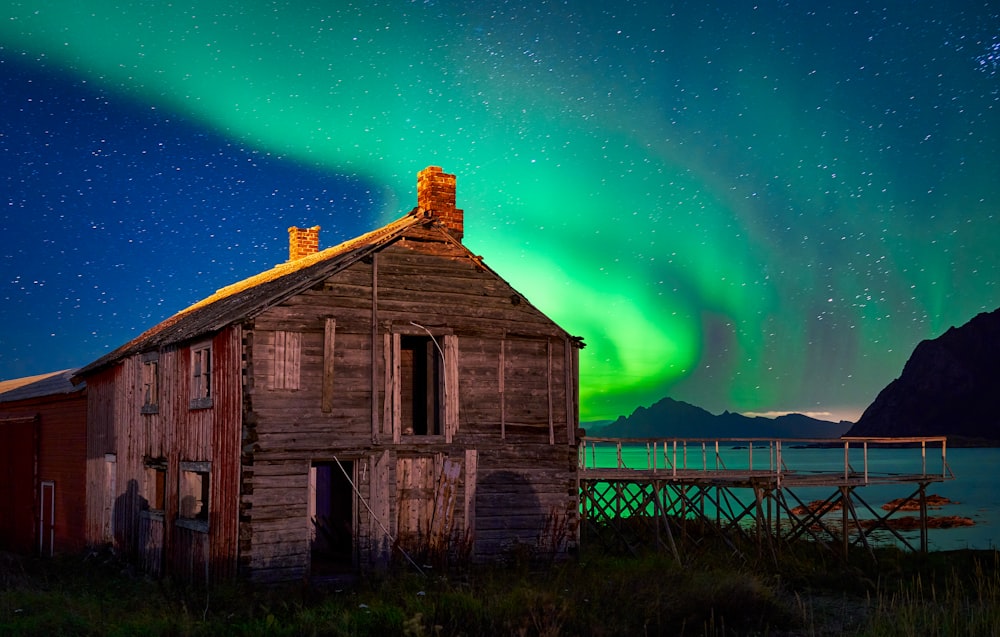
(681, 492)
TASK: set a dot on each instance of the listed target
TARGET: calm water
(974, 490)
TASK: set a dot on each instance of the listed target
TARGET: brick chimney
(436, 196)
(302, 242)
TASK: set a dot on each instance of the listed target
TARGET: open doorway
(331, 517)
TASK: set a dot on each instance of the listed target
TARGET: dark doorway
(331, 517)
(17, 486)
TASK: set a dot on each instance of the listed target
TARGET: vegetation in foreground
(808, 591)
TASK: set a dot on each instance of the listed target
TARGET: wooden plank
(329, 340)
(471, 476)
(451, 389)
(380, 515)
(443, 515)
(548, 391)
(502, 372)
(374, 355)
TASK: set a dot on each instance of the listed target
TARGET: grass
(808, 592)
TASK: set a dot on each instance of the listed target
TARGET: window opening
(201, 376)
(193, 491)
(156, 485)
(420, 368)
(150, 385)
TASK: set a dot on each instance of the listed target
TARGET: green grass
(807, 591)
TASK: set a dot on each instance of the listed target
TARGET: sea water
(969, 479)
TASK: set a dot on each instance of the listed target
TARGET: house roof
(50, 384)
(247, 298)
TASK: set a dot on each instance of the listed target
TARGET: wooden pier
(681, 491)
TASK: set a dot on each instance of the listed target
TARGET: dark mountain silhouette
(950, 386)
(671, 418)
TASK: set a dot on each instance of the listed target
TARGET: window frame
(187, 469)
(202, 361)
(430, 371)
(155, 488)
(445, 347)
(149, 383)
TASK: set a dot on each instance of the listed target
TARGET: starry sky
(760, 207)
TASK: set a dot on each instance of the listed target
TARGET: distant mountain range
(671, 418)
(950, 386)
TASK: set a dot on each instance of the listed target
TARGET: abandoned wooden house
(42, 464)
(389, 396)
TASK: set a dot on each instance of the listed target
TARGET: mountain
(671, 418)
(950, 386)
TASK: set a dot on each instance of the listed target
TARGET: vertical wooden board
(403, 466)
(293, 359)
(374, 353)
(548, 391)
(569, 392)
(445, 495)
(503, 397)
(392, 402)
(279, 361)
(451, 388)
(471, 475)
(380, 512)
(329, 340)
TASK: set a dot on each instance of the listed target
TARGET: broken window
(201, 376)
(193, 492)
(421, 385)
(155, 491)
(420, 388)
(150, 383)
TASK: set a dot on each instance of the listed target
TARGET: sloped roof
(49, 384)
(249, 297)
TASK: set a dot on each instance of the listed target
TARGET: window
(285, 351)
(193, 493)
(201, 376)
(420, 386)
(155, 491)
(150, 383)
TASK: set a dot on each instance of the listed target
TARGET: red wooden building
(42, 464)
(388, 397)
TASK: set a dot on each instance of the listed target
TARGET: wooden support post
(844, 495)
(923, 517)
(329, 334)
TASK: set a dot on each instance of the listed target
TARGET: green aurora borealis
(755, 209)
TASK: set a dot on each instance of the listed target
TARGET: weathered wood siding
(44, 443)
(62, 461)
(125, 439)
(17, 483)
(514, 411)
(102, 445)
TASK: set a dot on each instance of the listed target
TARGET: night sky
(747, 207)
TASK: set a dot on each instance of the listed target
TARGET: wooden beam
(329, 334)
(451, 401)
(374, 361)
(548, 390)
(503, 375)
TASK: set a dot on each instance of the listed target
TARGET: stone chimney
(436, 197)
(302, 242)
